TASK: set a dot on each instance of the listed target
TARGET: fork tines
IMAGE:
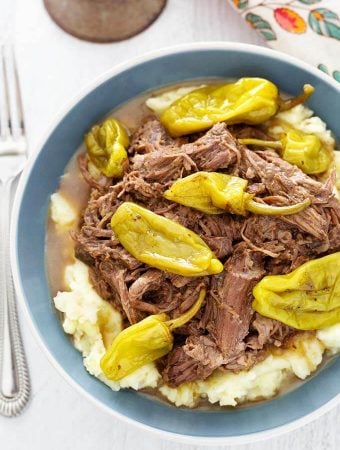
(12, 129)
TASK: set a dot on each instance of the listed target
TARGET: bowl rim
(63, 111)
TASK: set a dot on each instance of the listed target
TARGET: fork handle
(14, 378)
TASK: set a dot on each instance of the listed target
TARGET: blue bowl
(41, 179)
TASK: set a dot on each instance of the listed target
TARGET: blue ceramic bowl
(41, 179)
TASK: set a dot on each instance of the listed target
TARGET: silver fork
(14, 377)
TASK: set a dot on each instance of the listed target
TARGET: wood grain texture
(54, 67)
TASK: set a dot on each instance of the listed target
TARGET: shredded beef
(266, 331)
(116, 279)
(241, 131)
(291, 185)
(152, 136)
(152, 293)
(181, 368)
(226, 333)
(216, 149)
(229, 312)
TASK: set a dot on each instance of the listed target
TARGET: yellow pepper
(144, 342)
(163, 243)
(307, 298)
(211, 193)
(216, 193)
(106, 147)
(304, 150)
(248, 100)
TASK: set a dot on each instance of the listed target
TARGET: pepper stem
(270, 210)
(184, 318)
(289, 103)
(261, 143)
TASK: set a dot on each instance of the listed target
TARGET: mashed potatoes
(303, 120)
(62, 212)
(265, 378)
(94, 323)
(159, 103)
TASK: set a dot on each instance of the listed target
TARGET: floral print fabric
(308, 29)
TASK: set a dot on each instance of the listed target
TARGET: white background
(53, 67)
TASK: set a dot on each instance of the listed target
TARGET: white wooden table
(53, 67)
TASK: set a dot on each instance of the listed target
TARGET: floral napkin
(307, 29)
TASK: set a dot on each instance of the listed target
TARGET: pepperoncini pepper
(144, 342)
(307, 298)
(304, 150)
(163, 243)
(106, 147)
(248, 100)
(216, 193)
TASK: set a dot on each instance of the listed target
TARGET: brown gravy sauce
(59, 246)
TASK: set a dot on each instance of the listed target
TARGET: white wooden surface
(53, 67)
